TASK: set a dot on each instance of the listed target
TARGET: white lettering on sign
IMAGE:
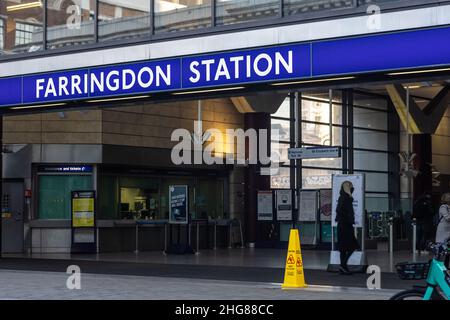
(112, 81)
(238, 67)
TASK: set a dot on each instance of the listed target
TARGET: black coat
(345, 218)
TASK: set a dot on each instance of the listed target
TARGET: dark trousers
(345, 255)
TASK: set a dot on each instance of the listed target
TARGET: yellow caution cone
(293, 274)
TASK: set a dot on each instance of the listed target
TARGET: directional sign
(314, 153)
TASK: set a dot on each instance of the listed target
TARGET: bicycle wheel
(409, 295)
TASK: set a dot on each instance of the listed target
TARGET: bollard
(215, 235)
(391, 240)
(165, 238)
(414, 225)
(242, 236)
(230, 225)
(137, 239)
(198, 237)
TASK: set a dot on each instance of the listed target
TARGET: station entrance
(383, 131)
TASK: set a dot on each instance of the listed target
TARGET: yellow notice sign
(83, 212)
(293, 275)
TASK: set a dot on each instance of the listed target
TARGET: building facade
(120, 144)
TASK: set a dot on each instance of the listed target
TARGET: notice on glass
(178, 202)
(284, 205)
(83, 215)
(265, 210)
(325, 204)
(308, 206)
(358, 196)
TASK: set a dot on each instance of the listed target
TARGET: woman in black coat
(345, 218)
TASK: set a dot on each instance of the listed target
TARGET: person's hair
(445, 198)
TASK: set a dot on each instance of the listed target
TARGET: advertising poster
(325, 197)
(265, 206)
(284, 205)
(358, 196)
(83, 209)
(308, 206)
(178, 204)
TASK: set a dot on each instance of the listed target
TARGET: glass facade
(55, 194)
(365, 141)
(72, 23)
(138, 197)
(238, 11)
(293, 7)
(22, 26)
(121, 20)
(181, 15)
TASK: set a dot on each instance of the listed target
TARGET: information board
(325, 203)
(358, 195)
(308, 206)
(178, 205)
(284, 205)
(265, 205)
(83, 209)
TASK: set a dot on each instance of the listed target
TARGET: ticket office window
(139, 198)
(148, 198)
(55, 194)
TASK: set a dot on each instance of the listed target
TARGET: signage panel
(358, 196)
(314, 153)
(361, 54)
(83, 209)
(178, 205)
(394, 51)
(265, 205)
(268, 64)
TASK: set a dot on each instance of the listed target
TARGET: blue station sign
(339, 57)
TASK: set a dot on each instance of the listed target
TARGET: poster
(178, 204)
(83, 209)
(325, 197)
(358, 196)
(284, 205)
(308, 206)
(265, 206)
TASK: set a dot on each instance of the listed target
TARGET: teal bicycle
(436, 273)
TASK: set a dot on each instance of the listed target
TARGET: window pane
(320, 134)
(237, 11)
(282, 150)
(55, 194)
(317, 178)
(120, 20)
(284, 109)
(306, 6)
(108, 197)
(22, 31)
(280, 130)
(371, 119)
(209, 198)
(181, 15)
(323, 163)
(280, 179)
(370, 140)
(315, 111)
(2, 35)
(377, 182)
(370, 101)
(365, 160)
(70, 23)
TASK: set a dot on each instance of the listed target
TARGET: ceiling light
(22, 6)
(311, 81)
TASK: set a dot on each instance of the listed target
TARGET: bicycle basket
(412, 271)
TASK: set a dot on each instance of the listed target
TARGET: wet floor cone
(293, 275)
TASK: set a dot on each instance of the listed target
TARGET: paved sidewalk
(52, 286)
